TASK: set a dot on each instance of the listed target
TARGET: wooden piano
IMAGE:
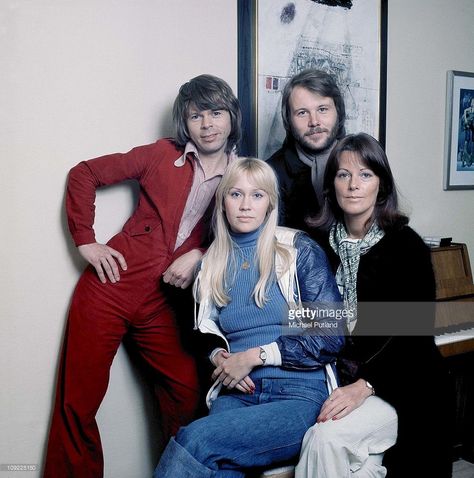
(455, 299)
(455, 335)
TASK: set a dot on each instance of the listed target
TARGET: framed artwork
(459, 132)
(280, 38)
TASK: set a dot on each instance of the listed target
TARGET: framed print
(459, 133)
(280, 38)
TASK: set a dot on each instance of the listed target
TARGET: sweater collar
(246, 239)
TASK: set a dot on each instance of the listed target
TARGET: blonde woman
(269, 387)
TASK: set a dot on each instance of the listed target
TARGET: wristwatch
(370, 387)
(263, 355)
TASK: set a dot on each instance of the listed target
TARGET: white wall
(81, 78)
(426, 38)
(84, 78)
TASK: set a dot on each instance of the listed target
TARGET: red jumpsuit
(101, 314)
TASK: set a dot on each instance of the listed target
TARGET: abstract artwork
(344, 38)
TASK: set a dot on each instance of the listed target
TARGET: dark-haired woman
(390, 362)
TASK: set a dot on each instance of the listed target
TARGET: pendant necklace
(245, 264)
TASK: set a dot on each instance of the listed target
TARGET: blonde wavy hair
(219, 260)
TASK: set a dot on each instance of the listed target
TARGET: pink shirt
(202, 191)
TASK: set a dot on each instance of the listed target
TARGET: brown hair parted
(321, 83)
(206, 92)
(386, 212)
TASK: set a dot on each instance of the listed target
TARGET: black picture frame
(248, 68)
(459, 131)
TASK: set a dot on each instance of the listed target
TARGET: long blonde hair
(219, 259)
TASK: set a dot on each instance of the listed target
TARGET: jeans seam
(273, 448)
(265, 450)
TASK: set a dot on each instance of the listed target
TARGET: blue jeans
(245, 431)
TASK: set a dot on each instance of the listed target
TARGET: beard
(308, 146)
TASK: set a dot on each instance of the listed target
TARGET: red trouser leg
(94, 332)
(99, 317)
(176, 379)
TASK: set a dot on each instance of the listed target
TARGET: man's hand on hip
(104, 259)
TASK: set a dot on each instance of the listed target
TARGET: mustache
(316, 130)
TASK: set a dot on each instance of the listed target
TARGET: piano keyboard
(452, 337)
(455, 343)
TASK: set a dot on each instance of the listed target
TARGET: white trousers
(351, 447)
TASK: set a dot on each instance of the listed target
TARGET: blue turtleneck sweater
(244, 323)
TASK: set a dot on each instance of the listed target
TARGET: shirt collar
(189, 148)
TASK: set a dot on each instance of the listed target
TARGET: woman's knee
(326, 433)
(189, 435)
(197, 438)
(321, 436)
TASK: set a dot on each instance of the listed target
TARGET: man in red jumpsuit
(122, 292)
